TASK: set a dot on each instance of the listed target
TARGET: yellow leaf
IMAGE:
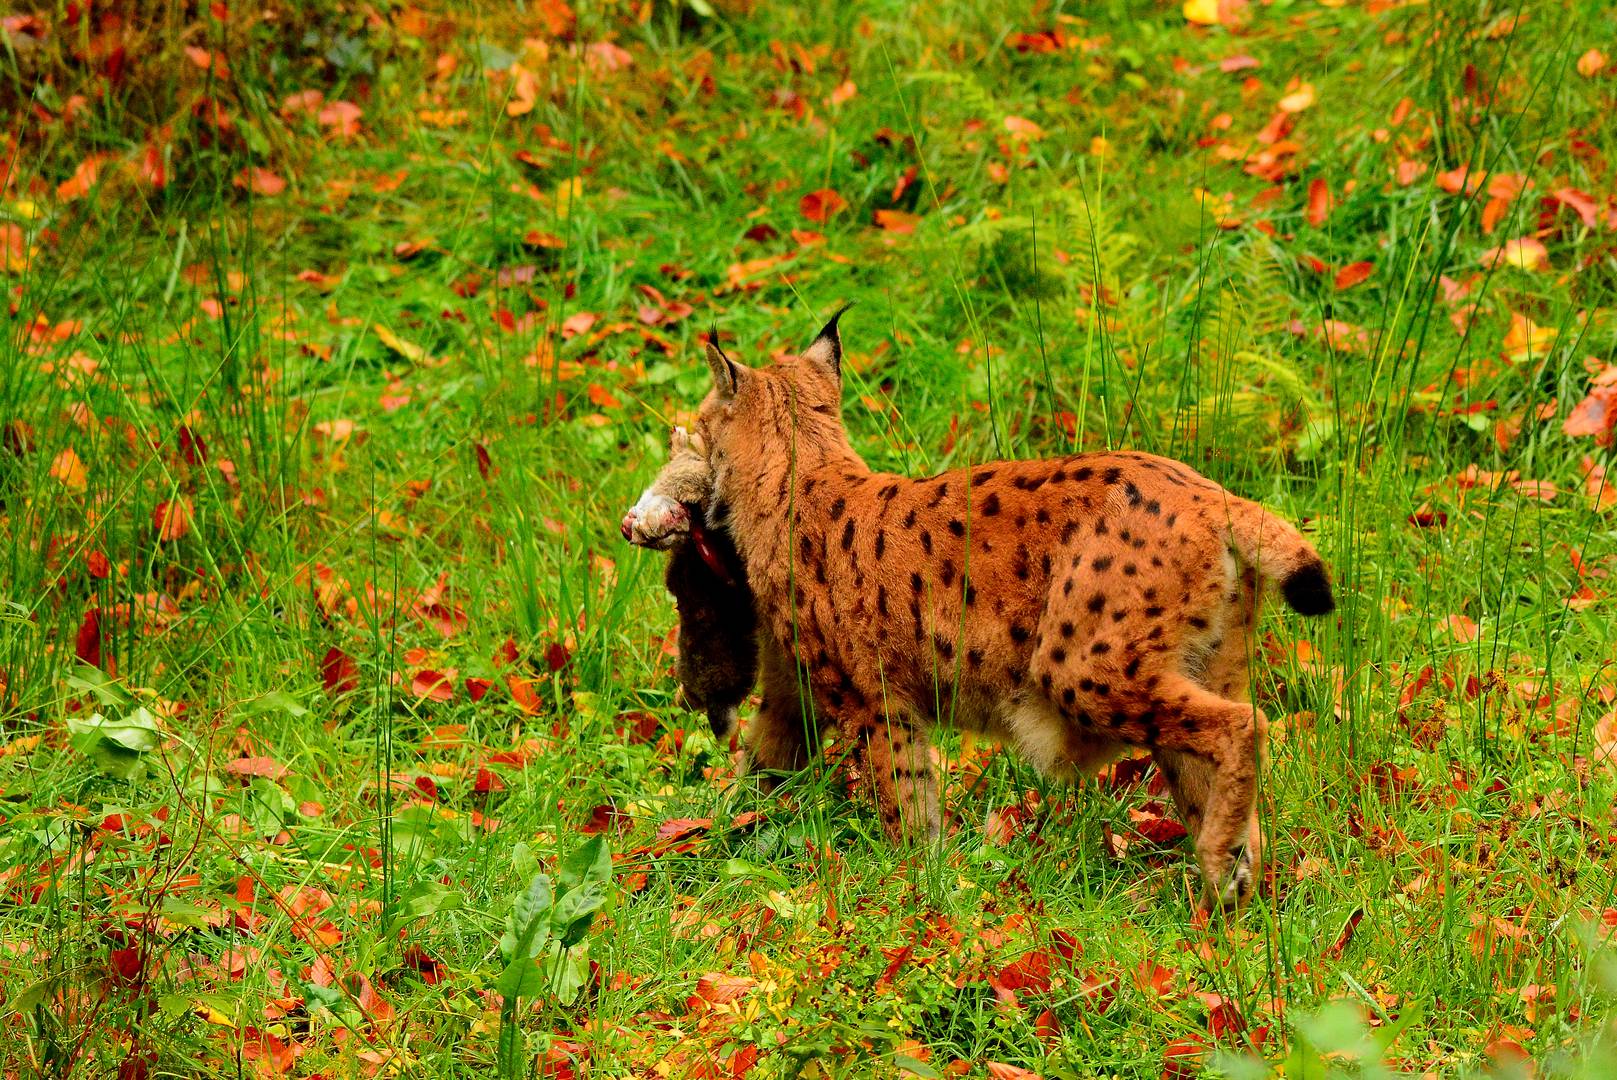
(410, 351)
(1300, 98)
(566, 192)
(1202, 12)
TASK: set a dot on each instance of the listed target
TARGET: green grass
(268, 856)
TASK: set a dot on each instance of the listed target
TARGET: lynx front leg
(893, 761)
(777, 739)
(1210, 757)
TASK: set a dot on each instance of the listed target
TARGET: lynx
(1069, 607)
(718, 650)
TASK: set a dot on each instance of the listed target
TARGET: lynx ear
(726, 372)
(826, 349)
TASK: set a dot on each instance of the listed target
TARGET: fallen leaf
(260, 182)
(172, 519)
(68, 470)
(1319, 202)
(1353, 274)
(1299, 96)
(822, 205)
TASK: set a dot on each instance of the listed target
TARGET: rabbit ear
(727, 373)
(826, 349)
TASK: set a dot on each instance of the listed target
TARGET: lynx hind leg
(1228, 670)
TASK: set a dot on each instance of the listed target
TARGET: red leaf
(433, 684)
(338, 672)
(1030, 972)
(487, 783)
(1346, 936)
(557, 656)
(96, 563)
(1181, 1060)
(820, 206)
(476, 688)
(87, 646)
(1353, 273)
(1582, 204)
(1319, 202)
(680, 828)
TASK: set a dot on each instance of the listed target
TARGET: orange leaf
(172, 519)
(896, 221)
(256, 766)
(1319, 202)
(260, 182)
(69, 471)
(1024, 128)
(820, 206)
(1353, 273)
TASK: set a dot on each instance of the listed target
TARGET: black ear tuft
(726, 373)
(827, 345)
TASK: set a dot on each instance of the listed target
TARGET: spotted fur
(1069, 607)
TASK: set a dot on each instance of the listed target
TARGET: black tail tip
(1308, 590)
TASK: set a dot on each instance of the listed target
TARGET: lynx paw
(1236, 884)
(656, 521)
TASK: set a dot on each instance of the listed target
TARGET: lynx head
(757, 416)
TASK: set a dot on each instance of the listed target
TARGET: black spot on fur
(888, 492)
(957, 527)
(1083, 472)
(1133, 668)
(990, 506)
(881, 542)
(974, 657)
(915, 581)
(1112, 475)
(1198, 622)
(1020, 633)
(1100, 648)
(1066, 629)
(982, 477)
(1058, 654)
(944, 646)
(947, 573)
(1097, 602)
(881, 600)
(838, 507)
(847, 535)
(926, 541)
(1101, 564)
(909, 519)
